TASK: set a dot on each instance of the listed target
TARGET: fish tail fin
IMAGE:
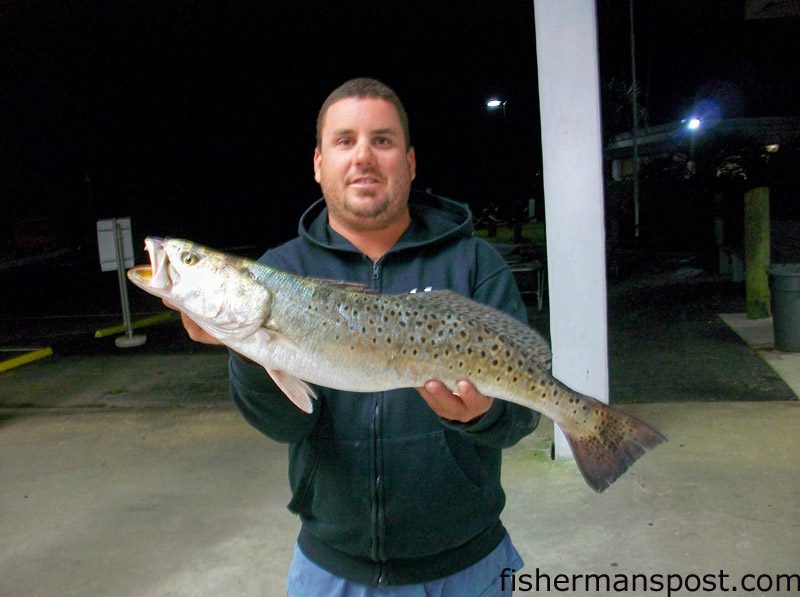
(609, 444)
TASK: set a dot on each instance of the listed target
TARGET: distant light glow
(694, 123)
(772, 148)
(494, 103)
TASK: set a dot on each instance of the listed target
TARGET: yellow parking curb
(29, 357)
(152, 320)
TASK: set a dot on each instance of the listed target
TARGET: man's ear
(317, 163)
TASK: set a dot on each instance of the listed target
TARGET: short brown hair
(363, 88)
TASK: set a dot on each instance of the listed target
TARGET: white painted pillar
(569, 99)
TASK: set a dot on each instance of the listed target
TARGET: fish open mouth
(157, 274)
(141, 273)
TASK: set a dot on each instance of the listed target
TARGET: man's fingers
(466, 405)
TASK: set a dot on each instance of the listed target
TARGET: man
(394, 492)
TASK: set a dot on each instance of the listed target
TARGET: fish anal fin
(604, 453)
(295, 388)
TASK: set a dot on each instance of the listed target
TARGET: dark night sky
(198, 118)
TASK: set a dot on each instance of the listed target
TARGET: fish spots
(436, 332)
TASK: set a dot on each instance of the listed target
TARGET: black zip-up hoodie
(387, 491)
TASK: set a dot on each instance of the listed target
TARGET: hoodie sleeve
(505, 423)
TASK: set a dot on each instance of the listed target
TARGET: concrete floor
(117, 486)
(759, 335)
(192, 502)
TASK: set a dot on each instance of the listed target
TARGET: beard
(367, 204)
(366, 210)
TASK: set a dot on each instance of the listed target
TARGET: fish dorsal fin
(344, 285)
(451, 300)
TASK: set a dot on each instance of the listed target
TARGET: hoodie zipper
(376, 274)
(377, 487)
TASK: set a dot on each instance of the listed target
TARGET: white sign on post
(106, 243)
(115, 245)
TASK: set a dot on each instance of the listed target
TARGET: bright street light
(495, 103)
(694, 123)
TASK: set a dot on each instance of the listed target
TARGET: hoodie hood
(434, 219)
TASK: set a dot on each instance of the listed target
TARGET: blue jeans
(482, 579)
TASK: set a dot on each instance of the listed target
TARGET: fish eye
(189, 258)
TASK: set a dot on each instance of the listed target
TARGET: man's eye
(383, 141)
(344, 141)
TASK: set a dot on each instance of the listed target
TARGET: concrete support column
(569, 98)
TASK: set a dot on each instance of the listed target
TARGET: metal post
(635, 133)
(128, 340)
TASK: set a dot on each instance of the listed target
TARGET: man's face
(362, 164)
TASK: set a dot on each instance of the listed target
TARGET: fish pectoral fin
(234, 330)
(295, 388)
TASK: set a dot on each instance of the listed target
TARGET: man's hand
(466, 405)
(195, 332)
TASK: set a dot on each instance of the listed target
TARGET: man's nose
(363, 154)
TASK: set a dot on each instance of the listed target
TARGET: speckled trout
(344, 336)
